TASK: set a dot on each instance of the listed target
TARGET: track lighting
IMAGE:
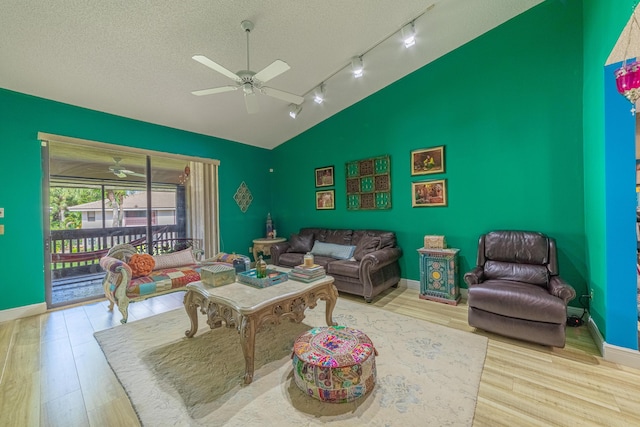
(317, 93)
(318, 96)
(294, 110)
(409, 34)
(357, 67)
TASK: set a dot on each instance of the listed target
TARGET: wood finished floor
(53, 372)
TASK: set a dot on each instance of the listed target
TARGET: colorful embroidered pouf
(334, 364)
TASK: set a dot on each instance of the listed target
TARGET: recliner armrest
(561, 289)
(474, 276)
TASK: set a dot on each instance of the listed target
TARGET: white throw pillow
(174, 259)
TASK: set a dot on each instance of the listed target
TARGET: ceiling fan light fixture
(318, 96)
(294, 110)
(247, 88)
(409, 34)
(357, 67)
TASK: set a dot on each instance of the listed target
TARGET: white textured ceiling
(133, 58)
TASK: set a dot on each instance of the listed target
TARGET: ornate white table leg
(191, 306)
(330, 303)
(248, 342)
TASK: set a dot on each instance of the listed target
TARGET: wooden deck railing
(78, 252)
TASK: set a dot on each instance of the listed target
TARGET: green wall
(609, 180)
(23, 116)
(511, 123)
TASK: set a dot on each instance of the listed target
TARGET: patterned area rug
(427, 375)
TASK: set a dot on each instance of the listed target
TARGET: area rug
(427, 375)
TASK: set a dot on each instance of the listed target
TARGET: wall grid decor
(369, 183)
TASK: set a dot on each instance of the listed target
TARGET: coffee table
(247, 308)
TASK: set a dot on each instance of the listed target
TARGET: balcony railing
(78, 252)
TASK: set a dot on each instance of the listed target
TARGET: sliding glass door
(99, 197)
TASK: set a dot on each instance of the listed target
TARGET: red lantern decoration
(628, 76)
(628, 82)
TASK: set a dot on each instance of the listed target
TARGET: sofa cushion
(517, 246)
(300, 243)
(174, 259)
(337, 236)
(333, 250)
(367, 244)
(162, 281)
(344, 268)
(141, 264)
(518, 300)
(527, 273)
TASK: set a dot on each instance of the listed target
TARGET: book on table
(308, 273)
(305, 279)
(314, 267)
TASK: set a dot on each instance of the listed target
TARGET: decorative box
(435, 242)
(217, 275)
(273, 278)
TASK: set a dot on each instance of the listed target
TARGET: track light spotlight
(357, 67)
(318, 96)
(409, 34)
(294, 110)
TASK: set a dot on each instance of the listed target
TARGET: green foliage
(61, 198)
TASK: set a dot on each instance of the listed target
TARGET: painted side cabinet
(439, 275)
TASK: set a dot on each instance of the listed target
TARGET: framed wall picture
(325, 199)
(429, 193)
(324, 177)
(427, 160)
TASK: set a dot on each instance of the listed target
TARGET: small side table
(264, 246)
(439, 275)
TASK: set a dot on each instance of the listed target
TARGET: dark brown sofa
(373, 267)
(515, 289)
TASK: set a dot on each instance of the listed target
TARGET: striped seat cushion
(163, 280)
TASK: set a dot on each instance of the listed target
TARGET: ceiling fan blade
(251, 102)
(214, 90)
(119, 174)
(276, 68)
(128, 172)
(216, 67)
(280, 94)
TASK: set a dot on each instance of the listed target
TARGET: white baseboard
(410, 284)
(20, 312)
(613, 353)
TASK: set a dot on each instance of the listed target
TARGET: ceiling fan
(120, 171)
(250, 82)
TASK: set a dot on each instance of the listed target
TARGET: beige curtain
(202, 206)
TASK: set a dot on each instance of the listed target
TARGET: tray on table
(273, 278)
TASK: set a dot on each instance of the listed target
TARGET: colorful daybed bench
(170, 273)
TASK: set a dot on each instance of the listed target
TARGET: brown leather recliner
(515, 289)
